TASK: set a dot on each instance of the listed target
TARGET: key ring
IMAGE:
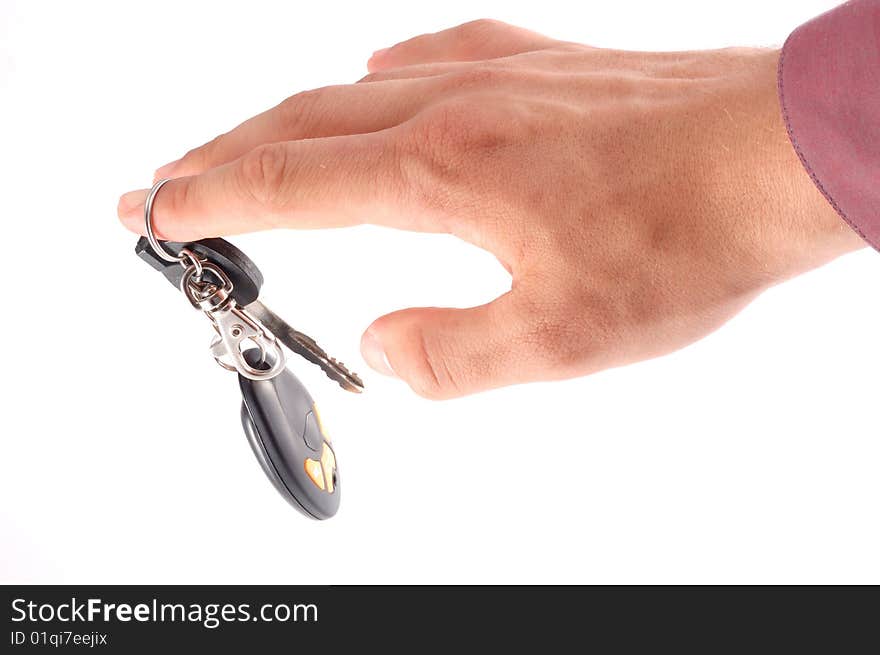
(185, 257)
(148, 224)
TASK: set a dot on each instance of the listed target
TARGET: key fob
(244, 274)
(285, 432)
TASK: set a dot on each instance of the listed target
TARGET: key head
(285, 432)
(246, 277)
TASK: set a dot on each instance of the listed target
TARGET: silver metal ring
(189, 258)
(148, 223)
(218, 295)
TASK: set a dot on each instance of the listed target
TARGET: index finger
(312, 183)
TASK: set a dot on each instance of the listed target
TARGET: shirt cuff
(829, 89)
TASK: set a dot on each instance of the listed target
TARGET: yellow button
(313, 470)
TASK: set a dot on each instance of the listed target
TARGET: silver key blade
(304, 346)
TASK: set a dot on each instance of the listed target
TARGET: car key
(306, 347)
(278, 414)
(246, 282)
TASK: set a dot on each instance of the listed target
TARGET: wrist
(808, 229)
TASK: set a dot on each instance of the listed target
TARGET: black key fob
(243, 273)
(285, 432)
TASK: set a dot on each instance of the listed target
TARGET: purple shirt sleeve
(829, 88)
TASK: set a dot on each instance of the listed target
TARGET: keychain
(279, 416)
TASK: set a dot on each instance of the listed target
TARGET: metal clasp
(209, 290)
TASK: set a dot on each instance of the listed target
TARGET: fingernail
(374, 354)
(380, 53)
(132, 201)
(166, 170)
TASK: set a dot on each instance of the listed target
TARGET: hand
(639, 200)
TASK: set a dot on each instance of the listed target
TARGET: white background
(749, 457)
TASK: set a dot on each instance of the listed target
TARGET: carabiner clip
(236, 331)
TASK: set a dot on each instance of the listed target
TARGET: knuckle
(179, 199)
(479, 28)
(440, 149)
(171, 204)
(421, 359)
(429, 157)
(441, 128)
(263, 172)
(431, 376)
(300, 110)
(202, 156)
(455, 130)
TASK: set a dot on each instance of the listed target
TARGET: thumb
(444, 353)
